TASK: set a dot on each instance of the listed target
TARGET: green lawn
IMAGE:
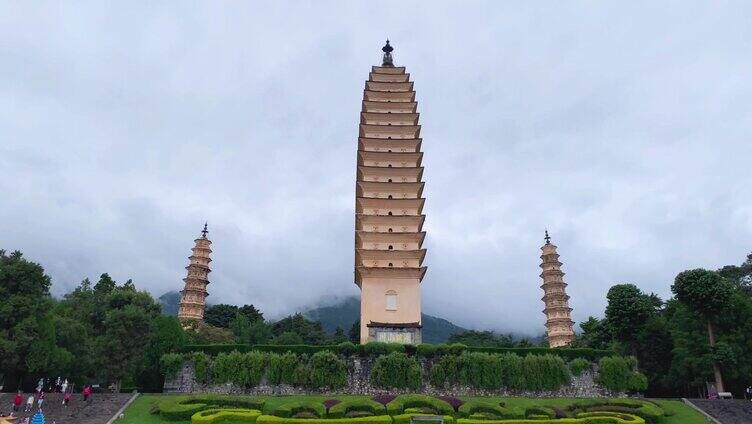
(138, 412)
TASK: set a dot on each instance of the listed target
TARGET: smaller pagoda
(558, 313)
(193, 296)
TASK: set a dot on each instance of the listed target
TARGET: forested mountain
(342, 314)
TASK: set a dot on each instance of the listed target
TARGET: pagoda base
(404, 333)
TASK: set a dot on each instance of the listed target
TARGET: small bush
(211, 416)
(290, 409)
(329, 403)
(579, 365)
(400, 403)
(396, 370)
(341, 410)
(453, 401)
(170, 364)
(282, 368)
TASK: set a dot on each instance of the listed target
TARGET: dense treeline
(702, 334)
(109, 333)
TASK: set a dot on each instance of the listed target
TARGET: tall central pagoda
(389, 208)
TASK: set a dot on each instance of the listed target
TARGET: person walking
(87, 393)
(17, 401)
(29, 403)
(64, 386)
(40, 401)
(66, 399)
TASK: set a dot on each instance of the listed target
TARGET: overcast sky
(623, 129)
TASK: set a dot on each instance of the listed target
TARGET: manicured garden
(390, 409)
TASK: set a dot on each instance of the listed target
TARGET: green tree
(707, 294)
(251, 312)
(354, 333)
(250, 332)
(27, 331)
(220, 315)
(627, 312)
(481, 339)
(288, 338)
(311, 332)
(339, 336)
(595, 334)
(167, 336)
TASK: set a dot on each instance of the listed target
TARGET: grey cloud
(622, 128)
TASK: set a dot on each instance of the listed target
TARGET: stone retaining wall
(359, 370)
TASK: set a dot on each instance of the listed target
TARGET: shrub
(615, 372)
(545, 372)
(346, 348)
(227, 367)
(342, 409)
(292, 408)
(176, 409)
(201, 367)
(512, 367)
(282, 368)
(396, 370)
(211, 416)
(170, 364)
(488, 408)
(327, 370)
(270, 419)
(426, 350)
(579, 365)
(637, 382)
(402, 402)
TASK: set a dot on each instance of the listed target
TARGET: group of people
(59, 386)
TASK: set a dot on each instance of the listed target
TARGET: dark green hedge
(425, 350)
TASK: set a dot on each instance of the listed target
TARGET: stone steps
(100, 408)
(726, 411)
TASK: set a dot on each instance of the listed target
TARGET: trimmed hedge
(407, 418)
(402, 402)
(341, 409)
(211, 416)
(426, 350)
(271, 419)
(172, 409)
(475, 406)
(650, 412)
(201, 368)
(289, 409)
(597, 419)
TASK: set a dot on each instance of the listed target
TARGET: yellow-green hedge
(211, 416)
(271, 419)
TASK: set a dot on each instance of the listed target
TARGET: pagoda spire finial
(205, 230)
(547, 237)
(387, 49)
